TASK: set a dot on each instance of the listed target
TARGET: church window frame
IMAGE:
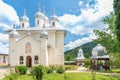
(21, 60)
(38, 22)
(22, 25)
(4, 59)
(28, 47)
(36, 58)
(53, 24)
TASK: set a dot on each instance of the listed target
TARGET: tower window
(22, 25)
(53, 24)
(4, 61)
(21, 59)
(28, 47)
(36, 59)
(38, 22)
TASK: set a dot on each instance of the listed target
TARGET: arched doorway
(28, 61)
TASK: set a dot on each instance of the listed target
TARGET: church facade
(41, 44)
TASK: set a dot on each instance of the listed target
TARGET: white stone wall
(53, 47)
(35, 49)
(60, 47)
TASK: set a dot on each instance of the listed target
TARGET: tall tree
(110, 20)
(116, 7)
(107, 36)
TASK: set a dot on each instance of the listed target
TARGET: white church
(41, 44)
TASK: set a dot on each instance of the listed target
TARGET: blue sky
(78, 17)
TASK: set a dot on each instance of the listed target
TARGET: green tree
(110, 37)
(116, 7)
(107, 37)
(115, 60)
(110, 20)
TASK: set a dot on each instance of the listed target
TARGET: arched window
(22, 25)
(53, 24)
(21, 59)
(36, 59)
(4, 60)
(28, 48)
(38, 22)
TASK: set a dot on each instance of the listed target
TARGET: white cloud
(3, 48)
(68, 19)
(3, 37)
(80, 3)
(8, 17)
(90, 18)
(77, 43)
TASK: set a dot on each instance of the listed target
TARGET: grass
(68, 76)
(86, 76)
(71, 67)
(23, 77)
(115, 71)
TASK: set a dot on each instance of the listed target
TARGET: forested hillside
(87, 51)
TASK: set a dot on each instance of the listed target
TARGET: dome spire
(24, 21)
(54, 22)
(54, 13)
(44, 10)
(24, 12)
(39, 9)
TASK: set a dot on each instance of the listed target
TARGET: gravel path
(3, 72)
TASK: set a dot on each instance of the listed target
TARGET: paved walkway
(3, 72)
(80, 69)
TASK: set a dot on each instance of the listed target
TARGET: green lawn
(115, 71)
(68, 76)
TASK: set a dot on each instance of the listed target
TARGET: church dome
(24, 18)
(99, 50)
(43, 34)
(14, 34)
(39, 14)
(54, 17)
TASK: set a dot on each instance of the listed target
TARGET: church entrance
(28, 61)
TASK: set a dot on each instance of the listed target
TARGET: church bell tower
(24, 22)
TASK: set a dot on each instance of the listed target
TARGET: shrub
(21, 69)
(87, 63)
(60, 70)
(12, 75)
(38, 72)
(49, 70)
(71, 67)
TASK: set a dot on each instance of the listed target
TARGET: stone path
(3, 72)
(80, 69)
